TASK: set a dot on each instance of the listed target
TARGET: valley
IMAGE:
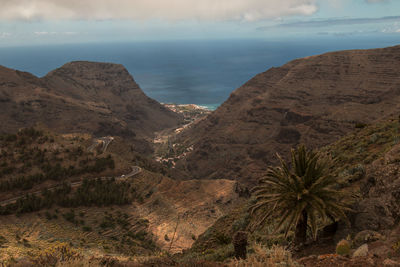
(166, 150)
(91, 169)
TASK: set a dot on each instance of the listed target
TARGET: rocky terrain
(88, 97)
(367, 165)
(58, 190)
(179, 211)
(313, 100)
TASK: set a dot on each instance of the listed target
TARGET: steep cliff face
(313, 100)
(98, 98)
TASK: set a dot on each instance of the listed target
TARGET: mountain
(314, 100)
(98, 98)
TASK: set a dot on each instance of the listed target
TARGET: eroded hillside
(87, 97)
(367, 166)
(313, 100)
(97, 197)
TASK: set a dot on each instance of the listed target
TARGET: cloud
(395, 28)
(42, 33)
(388, 30)
(243, 10)
(45, 33)
(349, 33)
(5, 34)
(333, 22)
(376, 1)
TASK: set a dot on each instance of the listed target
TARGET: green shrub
(87, 228)
(360, 125)
(48, 215)
(373, 138)
(69, 216)
(220, 254)
(108, 222)
(264, 256)
(241, 223)
(222, 238)
(343, 247)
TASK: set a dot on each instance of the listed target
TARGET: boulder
(361, 251)
(390, 263)
(373, 214)
(366, 236)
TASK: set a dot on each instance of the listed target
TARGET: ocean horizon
(183, 72)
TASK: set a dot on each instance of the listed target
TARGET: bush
(262, 256)
(343, 248)
(95, 192)
(70, 216)
(55, 255)
(48, 215)
(222, 238)
(360, 125)
(108, 222)
(87, 228)
(220, 254)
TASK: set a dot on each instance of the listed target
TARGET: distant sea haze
(183, 72)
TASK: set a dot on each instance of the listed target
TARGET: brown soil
(189, 206)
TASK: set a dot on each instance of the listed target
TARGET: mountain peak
(95, 76)
(82, 96)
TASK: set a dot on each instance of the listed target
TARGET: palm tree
(299, 195)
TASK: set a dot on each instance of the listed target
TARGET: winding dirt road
(105, 141)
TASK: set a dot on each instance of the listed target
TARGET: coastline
(176, 107)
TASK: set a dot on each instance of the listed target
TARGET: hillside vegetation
(65, 194)
(366, 165)
(33, 158)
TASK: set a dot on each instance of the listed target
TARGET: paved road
(135, 170)
(105, 141)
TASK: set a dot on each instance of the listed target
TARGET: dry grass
(266, 257)
(57, 254)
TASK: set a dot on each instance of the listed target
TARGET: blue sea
(202, 72)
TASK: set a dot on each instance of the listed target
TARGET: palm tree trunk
(301, 230)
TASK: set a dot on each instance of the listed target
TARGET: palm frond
(307, 186)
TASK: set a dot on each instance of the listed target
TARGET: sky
(37, 22)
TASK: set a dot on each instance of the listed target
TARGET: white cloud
(244, 10)
(41, 33)
(5, 34)
(394, 28)
(45, 33)
(391, 30)
(376, 1)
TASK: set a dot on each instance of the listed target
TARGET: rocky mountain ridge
(314, 100)
(98, 98)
